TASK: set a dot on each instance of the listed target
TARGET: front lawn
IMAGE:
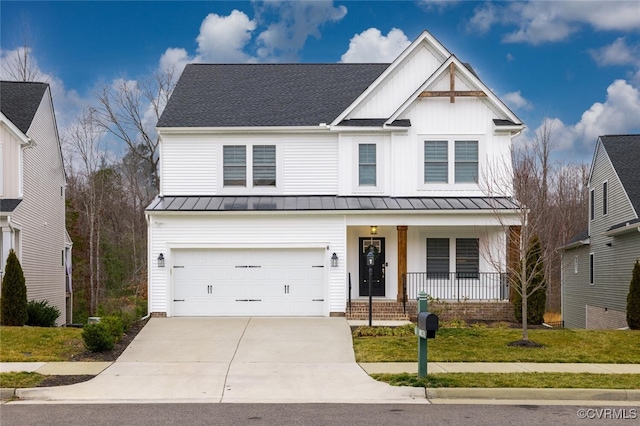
(478, 344)
(24, 344)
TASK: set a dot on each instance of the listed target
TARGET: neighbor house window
(467, 257)
(591, 281)
(605, 198)
(367, 164)
(592, 204)
(235, 165)
(437, 257)
(466, 167)
(264, 165)
(436, 162)
(575, 264)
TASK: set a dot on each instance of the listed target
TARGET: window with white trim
(264, 165)
(367, 164)
(466, 162)
(605, 198)
(467, 257)
(575, 264)
(592, 204)
(235, 165)
(436, 162)
(591, 271)
(438, 258)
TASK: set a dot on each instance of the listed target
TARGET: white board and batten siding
(41, 214)
(401, 84)
(272, 242)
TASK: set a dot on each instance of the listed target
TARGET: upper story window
(605, 198)
(467, 257)
(466, 167)
(436, 162)
(235, 165)
(264, 165)
(591, 270)
(438, 257)
(592, 204)
(367, 164)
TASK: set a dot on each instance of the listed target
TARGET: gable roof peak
(19, 101)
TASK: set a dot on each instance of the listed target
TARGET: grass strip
(20, 379)
(514, 380)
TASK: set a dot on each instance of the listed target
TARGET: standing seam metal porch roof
(327, 203)
(250, 95)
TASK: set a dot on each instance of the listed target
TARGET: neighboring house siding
(610, 287)
(10, 157)
(41, 215)
(576, 288)
(245, 231)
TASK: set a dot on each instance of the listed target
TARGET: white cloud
(617, 53)
(223, 38)
(539, 22)
(372, 46)
(296, 21)
(618, 114)
(516, 100)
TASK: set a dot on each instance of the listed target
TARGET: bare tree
(129, 110)
(87, 156)
(20, 65)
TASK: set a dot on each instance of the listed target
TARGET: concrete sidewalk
(95, 368)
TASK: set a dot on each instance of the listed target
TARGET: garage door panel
(253, 282)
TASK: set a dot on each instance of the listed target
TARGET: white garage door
(248, 282)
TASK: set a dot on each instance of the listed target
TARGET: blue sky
(574, 62)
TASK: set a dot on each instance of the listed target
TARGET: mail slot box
(428, 322)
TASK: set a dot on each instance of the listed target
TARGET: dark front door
(377, 283)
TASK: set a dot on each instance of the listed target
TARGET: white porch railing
(489, 286)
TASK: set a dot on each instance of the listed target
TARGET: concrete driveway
(235, 360)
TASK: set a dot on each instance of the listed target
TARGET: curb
(7, 393)
(534, 394)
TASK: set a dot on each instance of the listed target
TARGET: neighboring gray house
(32, 194)
(597, 264)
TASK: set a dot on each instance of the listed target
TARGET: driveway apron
(235, 360)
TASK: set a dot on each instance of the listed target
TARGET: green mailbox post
(426, 329)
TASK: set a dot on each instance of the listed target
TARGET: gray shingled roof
(7, 205)
(624, 153)
(233, 95)
(19, 101)
(326, 202)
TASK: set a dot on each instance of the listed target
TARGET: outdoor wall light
(161, 261)
(374, 230)
(334, 260)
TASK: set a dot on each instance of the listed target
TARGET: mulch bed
(88, 356)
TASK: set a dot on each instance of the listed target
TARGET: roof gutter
(629, 227)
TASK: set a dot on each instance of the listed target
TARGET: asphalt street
(313, 414)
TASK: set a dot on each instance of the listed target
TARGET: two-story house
(32, 194)
(598, 263)
(277, 179)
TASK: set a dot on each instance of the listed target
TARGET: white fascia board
(425, 36)
(24, 139)
(385, 129)
(599, 145)
(238, 130)
(460, 67)
(513, 130)
(630, 227)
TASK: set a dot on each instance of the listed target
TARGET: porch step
(382, 310)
